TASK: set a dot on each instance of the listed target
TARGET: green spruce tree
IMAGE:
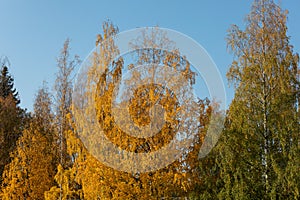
(7, 83)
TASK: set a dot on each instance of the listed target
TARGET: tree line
(256, 157)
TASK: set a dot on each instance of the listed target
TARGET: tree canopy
(120, 107)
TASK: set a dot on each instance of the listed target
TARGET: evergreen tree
(7, 83)
(12, 117)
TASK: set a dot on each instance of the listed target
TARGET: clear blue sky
(33, 32)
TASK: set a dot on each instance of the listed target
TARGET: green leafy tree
(258, 154)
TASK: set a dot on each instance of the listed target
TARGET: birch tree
(258, 154)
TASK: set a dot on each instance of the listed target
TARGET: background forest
(256, 157)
